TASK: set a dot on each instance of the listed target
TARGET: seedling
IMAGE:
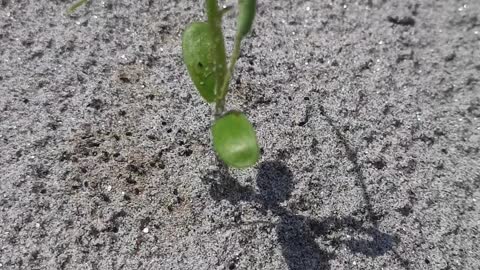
(234, 138)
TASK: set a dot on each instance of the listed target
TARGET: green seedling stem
(214, 19)
(228, 76)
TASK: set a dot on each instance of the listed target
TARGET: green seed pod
(235, 141)
(246, 15)
(198, 55)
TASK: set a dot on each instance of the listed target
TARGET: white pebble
(145, 230)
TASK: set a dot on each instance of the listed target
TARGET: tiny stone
(37, 225)
(145, 230)
(109, 188)
(475, 139)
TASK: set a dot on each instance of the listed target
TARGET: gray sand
(368, 114)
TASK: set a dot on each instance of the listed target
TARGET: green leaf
(75, 6)
(198, 54)
(246, 15)
(235, 141)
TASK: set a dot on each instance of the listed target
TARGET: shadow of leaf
(298, 245)
(222, 186)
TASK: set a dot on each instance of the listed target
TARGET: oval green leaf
(198, 55)
(246, 15)
(235, 141)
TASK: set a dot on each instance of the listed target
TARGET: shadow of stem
(352, 156)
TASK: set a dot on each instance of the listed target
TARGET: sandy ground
(367, 113)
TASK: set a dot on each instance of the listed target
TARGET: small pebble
(475, 139)
(145, 230)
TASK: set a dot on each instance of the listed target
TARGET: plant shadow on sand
(297, 234)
